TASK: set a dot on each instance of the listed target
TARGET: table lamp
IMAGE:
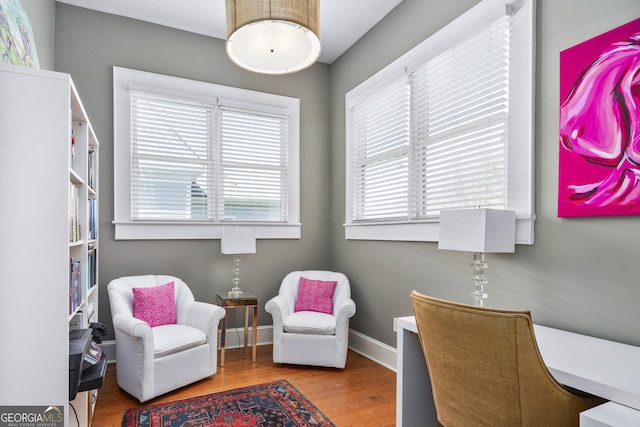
(237, 241)
(480, 231)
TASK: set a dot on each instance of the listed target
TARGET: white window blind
(436, 138)
(192, 157)
(448, 125)
(254, 166)
(381, 154)
(460, 106)
(172, 158)
(184, 169)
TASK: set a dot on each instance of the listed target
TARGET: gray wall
(579, 275)
(88, 44)
(42, 17)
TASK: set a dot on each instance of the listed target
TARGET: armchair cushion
(169, 339)
(155, 305)
(315, 295)
(310, 322)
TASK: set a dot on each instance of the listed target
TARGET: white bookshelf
(38, 110)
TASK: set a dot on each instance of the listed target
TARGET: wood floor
(363, 394)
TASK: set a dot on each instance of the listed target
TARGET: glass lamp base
(235, 290)
(479, 279)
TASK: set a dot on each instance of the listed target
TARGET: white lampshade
(238, 240)
(273, 36)
(477, 230)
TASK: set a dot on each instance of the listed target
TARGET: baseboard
(377, 351)
(109, 348)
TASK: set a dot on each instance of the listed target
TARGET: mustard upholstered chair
(486, 369)
(153, 360)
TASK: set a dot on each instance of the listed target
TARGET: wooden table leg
(255, 333)
(246, 327)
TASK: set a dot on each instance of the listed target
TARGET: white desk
(608, 415)
(604, 368)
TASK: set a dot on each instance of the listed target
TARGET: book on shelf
(92, 266)
(74, 223)
(93, 226)
(92, 168)
(77, 321)
(75, 280)
(72, 148)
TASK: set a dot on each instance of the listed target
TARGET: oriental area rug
(276, 403)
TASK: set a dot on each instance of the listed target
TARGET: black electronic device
(87, 363)
(92, 355)
(98, 330)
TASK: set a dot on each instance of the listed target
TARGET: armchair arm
(279, 310)
(344, 310)
(134, 343)
(135, 328)
(205, 317)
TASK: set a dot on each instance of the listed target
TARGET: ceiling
(342, 22)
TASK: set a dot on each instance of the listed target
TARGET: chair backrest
(121, 295)
(289, 285)
(486, 369)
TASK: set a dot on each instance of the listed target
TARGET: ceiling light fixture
(273, 36)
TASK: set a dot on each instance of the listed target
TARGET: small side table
(246, 300)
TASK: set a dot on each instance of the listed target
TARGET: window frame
(520, 151)
(128, 229)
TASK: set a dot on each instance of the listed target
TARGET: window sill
(158, 230)
(422, 231)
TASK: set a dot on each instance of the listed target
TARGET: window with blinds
(438, 133)
(184, 169)
(436, 138)
(192, 157)
(172, 155)
(253, 166)
(381, 154)
(460, 105)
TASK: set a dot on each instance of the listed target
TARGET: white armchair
(308, 337)
(151, 361)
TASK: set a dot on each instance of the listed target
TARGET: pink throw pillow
(155, 305)
(315, 295)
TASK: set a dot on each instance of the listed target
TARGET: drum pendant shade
(273, 36)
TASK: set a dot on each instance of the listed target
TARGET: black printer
(87, 362)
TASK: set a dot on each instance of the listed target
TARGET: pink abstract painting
(599, 158)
